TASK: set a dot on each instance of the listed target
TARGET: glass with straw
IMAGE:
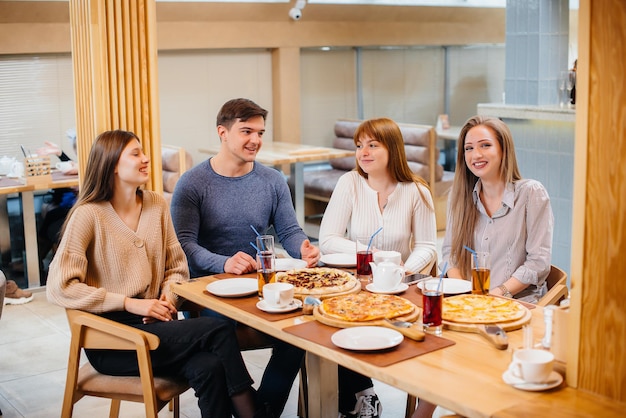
(364, 255)
(265, 261)
(432, 305)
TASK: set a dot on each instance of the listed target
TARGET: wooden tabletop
(465, 378)
(277, 153)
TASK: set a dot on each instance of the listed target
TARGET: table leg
(297, 173)
(322, 384)
(30, 238)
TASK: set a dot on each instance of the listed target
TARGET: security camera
(295, 13)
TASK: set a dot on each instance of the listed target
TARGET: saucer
(295, 304)
(399, 289)
(554, 380)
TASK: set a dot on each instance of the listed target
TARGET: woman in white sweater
(381, 192)
(118, 258)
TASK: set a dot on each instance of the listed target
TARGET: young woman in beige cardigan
(118, 257)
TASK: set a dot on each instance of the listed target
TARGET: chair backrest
(94, 332)
(556, 282)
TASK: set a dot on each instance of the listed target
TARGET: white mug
(391, 256)
(387, 275)
(278, 295)
(532, 365)
(64, 165)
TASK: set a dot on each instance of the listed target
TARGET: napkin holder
(37, 170)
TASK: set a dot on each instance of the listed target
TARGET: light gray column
(537, 33)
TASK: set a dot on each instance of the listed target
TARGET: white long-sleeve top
(409, 226)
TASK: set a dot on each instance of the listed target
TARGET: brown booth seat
(175, 161)
(421, 152)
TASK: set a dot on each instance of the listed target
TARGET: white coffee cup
(278, 295)
(64, 166)
(387, 275)
(532, 365)
(391, 256)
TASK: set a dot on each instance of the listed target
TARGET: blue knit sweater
(212, 215)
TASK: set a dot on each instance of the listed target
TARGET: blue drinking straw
(443, 270)
(473, 254)
(258, 235)
(372, 238)
(259, 252)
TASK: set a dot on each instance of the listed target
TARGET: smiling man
(214, 205)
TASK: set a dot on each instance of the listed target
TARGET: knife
(495, 335)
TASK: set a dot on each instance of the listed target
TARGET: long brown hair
(387, 132)
(100, 171)
(463, 212)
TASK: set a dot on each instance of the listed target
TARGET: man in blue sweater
(214, 205)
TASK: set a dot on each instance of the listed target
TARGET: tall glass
(364, 257)
(432, 304)
(481, 273)
(265, 269)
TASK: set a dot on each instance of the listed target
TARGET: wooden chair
(94, 332)
(556, 283)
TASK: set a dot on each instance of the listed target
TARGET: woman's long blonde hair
(387, 132)
(463, 212)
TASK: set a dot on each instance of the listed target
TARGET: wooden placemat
(321, 334)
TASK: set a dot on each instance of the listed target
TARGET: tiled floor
(34, 340)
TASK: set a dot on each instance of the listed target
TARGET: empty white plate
(284, 264)
(398, 289)
(339, 260)
(450, 286)
(231, 288)
(366, 338)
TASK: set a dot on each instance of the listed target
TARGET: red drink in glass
(432, 301)
(363, 259)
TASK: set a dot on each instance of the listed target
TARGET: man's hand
(240, 263)
(151, 309)
(309, 253)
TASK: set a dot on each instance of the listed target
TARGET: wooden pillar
(114, 54)
(286, 92)
(596, 361)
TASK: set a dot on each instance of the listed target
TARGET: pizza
(318, 281)
(481, 309)
(365, 306)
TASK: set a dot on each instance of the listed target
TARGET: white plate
(399, 289)
(554, 380)
(284, 264)
(339, 260)
(450, 286)
(366, 338)
(295, 304)
(231, 288)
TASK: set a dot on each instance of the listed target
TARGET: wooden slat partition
(114, 54)
(596, 361)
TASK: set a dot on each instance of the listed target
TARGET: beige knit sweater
(100, 261)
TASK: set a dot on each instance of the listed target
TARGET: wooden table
(27, 197)
(276, 154)
(466, 377)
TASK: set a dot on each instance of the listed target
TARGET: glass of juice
(265, 269)
(364, 256)
(481, 273)
(432, 302)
